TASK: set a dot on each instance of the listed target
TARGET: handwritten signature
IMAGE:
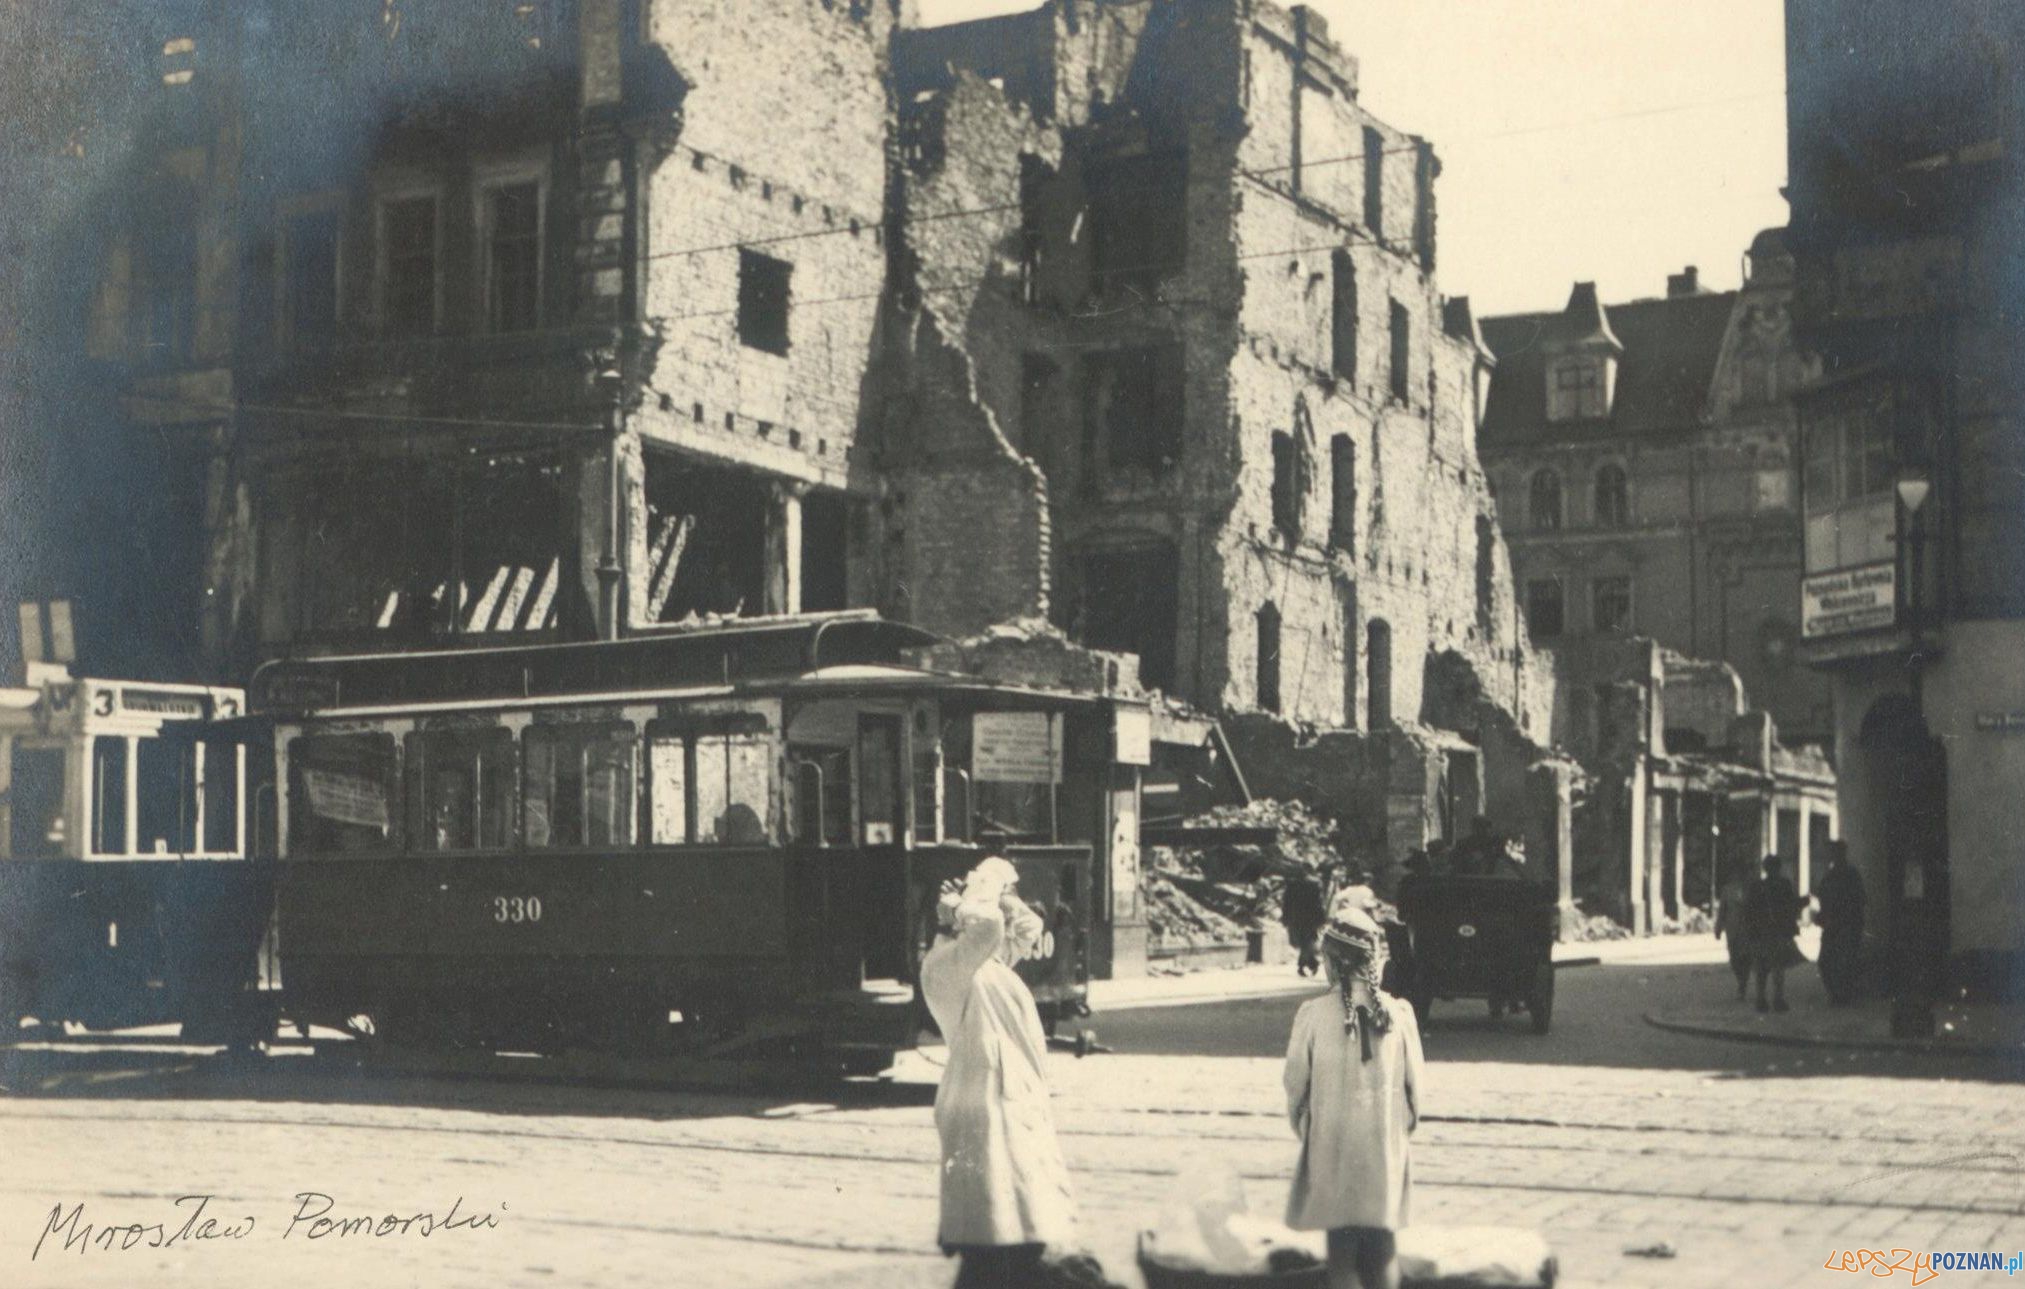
(313, 1219)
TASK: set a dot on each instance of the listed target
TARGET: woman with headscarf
(1005, 1190)
(1353, 1086)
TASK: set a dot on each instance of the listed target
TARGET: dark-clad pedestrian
(1302, 912)
(1841, 919)
(1772, 925)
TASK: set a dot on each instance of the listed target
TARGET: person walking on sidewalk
(1006, 1198)
(1841, 919)
(1772, 923)
(1353, 1078)
(1302, 913)
(1730, 923)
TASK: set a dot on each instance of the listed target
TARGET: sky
(1613, 141)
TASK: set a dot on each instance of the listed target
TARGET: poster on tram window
(1016, 747)
(347, 799)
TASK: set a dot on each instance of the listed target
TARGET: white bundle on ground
(1475, 1255)
(1208, 1227)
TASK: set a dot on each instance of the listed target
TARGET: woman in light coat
(1353, 1083)
(1005, 1189)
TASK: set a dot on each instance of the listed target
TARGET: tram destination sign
(1848, 601)
(1016, 747)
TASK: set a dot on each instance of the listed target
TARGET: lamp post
(1912, 1003)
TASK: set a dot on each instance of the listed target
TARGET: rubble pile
(1214, 893)
(1584, 927)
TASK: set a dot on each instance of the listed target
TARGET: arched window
(1269, 658)
(1613, 505)
(1378, 650)
(1545, 509)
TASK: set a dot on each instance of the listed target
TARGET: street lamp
(1912, 1007)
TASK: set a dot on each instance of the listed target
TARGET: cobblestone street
(1755, 1167)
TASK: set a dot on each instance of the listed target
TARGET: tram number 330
(516, 908)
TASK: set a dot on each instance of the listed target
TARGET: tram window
(734, 780)
(340, 793)
(35, 794)
(879, 778)
(460, 789)
(109, 795)
(165, 796)
(579, 785)
(667, 791)
(822, 794)
(221, 796)
(927, 786)
(1020, 811)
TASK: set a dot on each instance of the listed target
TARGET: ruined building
(1161, 257)
(1099, 335)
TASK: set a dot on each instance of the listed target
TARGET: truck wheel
(1540, 1003)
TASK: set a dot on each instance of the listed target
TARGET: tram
(722, 842)
(126, 894)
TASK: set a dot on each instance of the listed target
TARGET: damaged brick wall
(764, 265)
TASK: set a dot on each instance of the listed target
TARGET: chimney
(1685, 282)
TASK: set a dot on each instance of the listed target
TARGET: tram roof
(853, 652)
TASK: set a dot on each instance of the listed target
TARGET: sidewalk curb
(1935, 1048)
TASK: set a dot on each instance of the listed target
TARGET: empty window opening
(1402, 351)
(1486, 574)
(1613, 509)
(166, 269)
(1378, 666)
(825, 551)
(1133, 407)
(1130, 604)
(408, 265)
(1610, 604)
(1544, 506)
(1544, 608)
(1343, 315)
(1138, 220)
(763, 302)
(1351, 670)
(513, 256)
(309, 302)
(706, 540)
(1287, 485)
(1269, 658)
(1374, 182)
(1343, 494)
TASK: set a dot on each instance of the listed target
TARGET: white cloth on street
(1003, 1179)
(1352, 1116)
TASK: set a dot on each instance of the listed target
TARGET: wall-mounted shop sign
(2001, 722)
(1849, 600)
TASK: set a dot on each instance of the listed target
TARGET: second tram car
(126, 894)
(724, 841)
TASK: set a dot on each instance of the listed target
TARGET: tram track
(1964, 1157)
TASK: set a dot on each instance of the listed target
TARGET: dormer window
(1578, 388)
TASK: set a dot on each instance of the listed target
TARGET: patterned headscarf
(1356, 946)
